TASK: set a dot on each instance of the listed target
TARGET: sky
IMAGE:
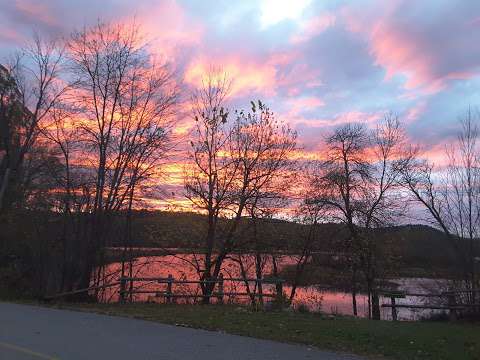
(316, 63)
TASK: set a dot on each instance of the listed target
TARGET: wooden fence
(127, 288)
(80, 291)
(450, 296)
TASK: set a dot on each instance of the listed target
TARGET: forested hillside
(411, 245)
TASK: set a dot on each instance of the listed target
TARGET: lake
(315, 297)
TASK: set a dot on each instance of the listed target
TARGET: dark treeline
(87, 122)
(418, 250)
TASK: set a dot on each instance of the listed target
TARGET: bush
(302, 308)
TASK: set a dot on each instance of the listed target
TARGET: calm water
(182, 266)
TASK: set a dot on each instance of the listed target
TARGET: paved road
(32, 333)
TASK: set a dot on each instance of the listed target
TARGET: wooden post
(123, 287)
(279, 292)
(375, 306)
(394, 309)
(169, 289)
(259, 285)
(452, 303)
(220, 289)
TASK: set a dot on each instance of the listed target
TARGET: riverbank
(396, 340)
(325, 274)
(339, 279)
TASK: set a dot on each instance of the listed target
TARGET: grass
(397, 340)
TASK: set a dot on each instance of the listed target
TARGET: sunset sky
(316, 63)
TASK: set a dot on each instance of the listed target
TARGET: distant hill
(188, 230)
(413, 246)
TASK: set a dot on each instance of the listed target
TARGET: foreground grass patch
(398, 340)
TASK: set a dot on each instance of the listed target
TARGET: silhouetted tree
(233, 162)
(451, 197)
(126, 100)
(357, 185)
(29, 87)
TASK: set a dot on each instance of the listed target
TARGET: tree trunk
(3, 187)
(354, 290)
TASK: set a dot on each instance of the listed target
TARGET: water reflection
(315, 298)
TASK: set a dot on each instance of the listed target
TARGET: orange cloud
(183, 129)
(173, 172)
(169, 204)
(247, 76)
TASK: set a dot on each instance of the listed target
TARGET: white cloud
(275, 11)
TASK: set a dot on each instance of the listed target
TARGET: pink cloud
(415, 112)
(10, 35)
(412, 51)
(436, 155)
(312, 27)
(392, 48)
(339, 119)
(299, 77)
(399, 54)
(36, 10)
(304, 103)
(404, 54)
(475, 22)
(168, 26)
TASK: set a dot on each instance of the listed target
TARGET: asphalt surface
(32, 333)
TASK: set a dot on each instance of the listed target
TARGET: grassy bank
(397, 340)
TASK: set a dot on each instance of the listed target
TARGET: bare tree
(451, 197)
(209, 181)
(338, 185)
(30, 87)
(126, 100)
(310, 214)
(357, 185)
(234, 162)
(265, 205)
(383, 202)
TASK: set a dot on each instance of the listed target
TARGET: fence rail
(452, 305)
(81, 291)
(127, 288)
